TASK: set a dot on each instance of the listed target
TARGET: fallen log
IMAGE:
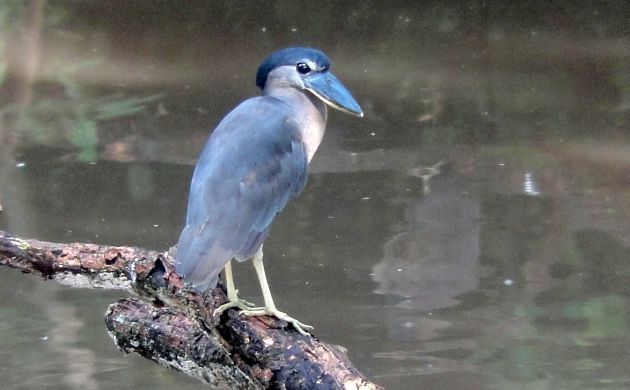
(174, 325)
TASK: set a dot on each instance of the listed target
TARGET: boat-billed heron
(254, 162)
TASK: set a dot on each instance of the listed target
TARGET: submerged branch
(175, 327)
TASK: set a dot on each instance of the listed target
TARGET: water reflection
(507, 270)
(437, 258)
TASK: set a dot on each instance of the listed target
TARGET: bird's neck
(310, 113)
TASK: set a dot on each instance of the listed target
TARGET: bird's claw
(242, 301)
(262, 311)
(238, 303)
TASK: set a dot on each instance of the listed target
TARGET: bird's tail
(199, 259)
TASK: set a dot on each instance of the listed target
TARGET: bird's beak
(328, 88)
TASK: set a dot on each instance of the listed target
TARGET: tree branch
(175, 326)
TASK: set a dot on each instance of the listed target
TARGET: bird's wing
(252, 164)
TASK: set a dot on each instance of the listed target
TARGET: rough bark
(174, 325)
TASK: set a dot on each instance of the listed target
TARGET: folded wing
(252, 164)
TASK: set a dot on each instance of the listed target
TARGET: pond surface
(472, 231)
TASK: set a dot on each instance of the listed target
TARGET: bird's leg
(270, 307)
(232, 294)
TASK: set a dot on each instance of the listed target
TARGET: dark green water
(508, 270)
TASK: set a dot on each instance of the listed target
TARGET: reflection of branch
(64, 339)
(177, 329)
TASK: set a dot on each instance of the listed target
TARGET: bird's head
(306, 69)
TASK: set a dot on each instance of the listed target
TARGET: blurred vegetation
(432, 72)
(60, 104)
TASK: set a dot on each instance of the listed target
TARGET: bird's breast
(312, 122)
(312, 135)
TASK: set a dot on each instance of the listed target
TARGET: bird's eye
(302, 68)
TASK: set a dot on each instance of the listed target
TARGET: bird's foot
(265, 311)
(237, 303)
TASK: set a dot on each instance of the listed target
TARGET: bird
(253, 163)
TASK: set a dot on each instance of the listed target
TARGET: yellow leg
(232, 294)
(270, 307)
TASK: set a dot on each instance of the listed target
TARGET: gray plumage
(253, 162)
